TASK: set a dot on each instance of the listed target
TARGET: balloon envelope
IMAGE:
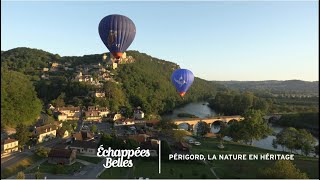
(117, 33)
(182, 79)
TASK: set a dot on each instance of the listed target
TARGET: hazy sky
(217, 40)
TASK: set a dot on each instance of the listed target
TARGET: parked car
(197, 143)
(191, 141)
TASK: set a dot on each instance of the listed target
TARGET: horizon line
(317, 80)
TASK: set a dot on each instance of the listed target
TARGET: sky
(216, 40)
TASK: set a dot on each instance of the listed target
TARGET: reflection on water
(203, 111)
(199, 109)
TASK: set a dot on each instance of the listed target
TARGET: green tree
(202, 129)
(93, 128)
(178, 135)
(253, 127)
(282, 170)
(59, 102)
(316, 149)
(58, 169)
(165, 150)
(19, 101)
(165, 124)
(256, 128)
(222, 132)
(38, 175)
(42, 151)
(22, 134)
(292, 138)
(132, 144)
(21, 175)
(305, 141)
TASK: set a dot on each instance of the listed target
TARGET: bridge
(193, 121)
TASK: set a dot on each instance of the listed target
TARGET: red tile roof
(60, 153)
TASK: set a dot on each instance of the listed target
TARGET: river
(202, 110)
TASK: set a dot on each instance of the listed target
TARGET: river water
(202, 110)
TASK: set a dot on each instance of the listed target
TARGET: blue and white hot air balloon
(182, 79)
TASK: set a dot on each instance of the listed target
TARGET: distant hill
(288, 87)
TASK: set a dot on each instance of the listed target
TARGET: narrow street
(14, 158)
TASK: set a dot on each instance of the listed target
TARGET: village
(94, 74)
(64, 146)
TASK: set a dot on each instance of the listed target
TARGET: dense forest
(233, 102)
(300, 120)
(19, 101)
(27, 60)
(276, 88)
(145, 83)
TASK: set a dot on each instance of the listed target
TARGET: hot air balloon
(182, 79)
(117, 33)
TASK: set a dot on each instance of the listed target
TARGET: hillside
(288, 87)
(27, 59)
(145, 83)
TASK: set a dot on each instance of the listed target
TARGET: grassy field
(19, 166)
(240, 169)
(52, 168)
(115, 173)
(172, 170)
(94, 160)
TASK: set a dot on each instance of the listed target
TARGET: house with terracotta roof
(9, 145)
(85, 147)
(103, 111)
(95, 113)
(152, 123)
(124, 122)
(92, 116)
(152, 146)
(71, 113)
(83, 136)
(63, 133)
(140, 122)
(45, 133)
(139, 137)
(62, 156)
(114, 116)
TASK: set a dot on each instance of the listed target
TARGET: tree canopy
(253, 127)
(282, 170)
(19, 101)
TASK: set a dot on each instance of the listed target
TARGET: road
(14, 158)
(8, 161)
(101, 126)
(88, 172)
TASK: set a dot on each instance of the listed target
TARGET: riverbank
(187, 115)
